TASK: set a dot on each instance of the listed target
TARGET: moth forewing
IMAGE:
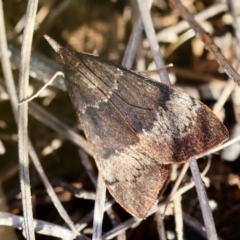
(137, 128)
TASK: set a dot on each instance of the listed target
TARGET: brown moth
(137, 127)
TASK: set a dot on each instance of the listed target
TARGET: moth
(137, 127)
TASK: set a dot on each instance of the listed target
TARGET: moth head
(57, 47)
(59, 59)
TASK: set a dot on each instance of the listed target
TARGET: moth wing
(136, 128)
(172, 124)
(133, 176)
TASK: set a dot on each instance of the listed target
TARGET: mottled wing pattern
(172, 124)
(137, 128)
(133, 175)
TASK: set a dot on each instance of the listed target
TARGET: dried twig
(122, 227)
(203, 199)
(132, 47)
(177, 208)
(176, 184)
(178, 217)
(99, 209)
(41, 227)
(51, 191)
(207, 39)
(194, 224)
(183, 25)
(150, 32)
(12, 93)
(23, 119)
(160, 225)
(6, 66)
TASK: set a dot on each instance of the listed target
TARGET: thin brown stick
(194, 224)
(151, 35)
(207, 40)
(132, 47)
(203, 199)
(122, 227)
(160, 225)
(134, 39)
(183, 25)
(88, 217)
